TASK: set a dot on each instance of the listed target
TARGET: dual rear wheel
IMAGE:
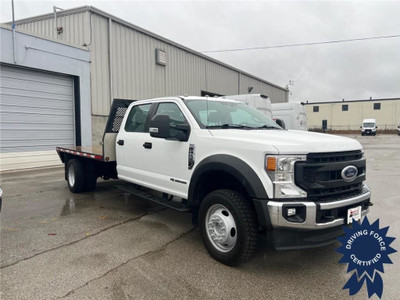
(80, 177)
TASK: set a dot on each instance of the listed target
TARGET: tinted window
(176, 116)
(136, 121)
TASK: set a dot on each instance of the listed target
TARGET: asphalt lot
(110, 245)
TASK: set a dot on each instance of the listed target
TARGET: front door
(166, 161)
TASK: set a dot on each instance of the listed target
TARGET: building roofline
(348, 101)
(142, 30)
(43, 37)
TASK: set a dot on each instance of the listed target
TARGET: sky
(350, 71)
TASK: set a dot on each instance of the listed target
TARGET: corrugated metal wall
(135, 74)
(75, 27)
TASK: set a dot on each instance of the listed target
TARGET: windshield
(226, 114)
(369, 125)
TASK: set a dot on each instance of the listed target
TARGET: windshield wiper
(266, 127)
(226, 126)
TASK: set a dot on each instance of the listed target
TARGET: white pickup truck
(238, 173)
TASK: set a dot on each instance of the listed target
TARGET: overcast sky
(356, 70)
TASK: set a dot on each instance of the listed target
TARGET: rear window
(136, 121)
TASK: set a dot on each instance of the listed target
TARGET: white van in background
(290, 115)
(369, 127)
(258, 101)
(398, 129)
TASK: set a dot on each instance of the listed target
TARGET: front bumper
(317, 229)
(368, 132)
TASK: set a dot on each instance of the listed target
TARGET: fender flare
(233, 166)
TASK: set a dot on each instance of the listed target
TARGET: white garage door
(36, 115)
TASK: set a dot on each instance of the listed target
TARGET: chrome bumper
(279, 222)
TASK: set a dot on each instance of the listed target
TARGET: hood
(289, 141)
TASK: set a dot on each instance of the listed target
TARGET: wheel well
(211, 181)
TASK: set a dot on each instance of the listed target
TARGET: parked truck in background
(369, 127)
(238, 173)
(290, 115)
(258, 101)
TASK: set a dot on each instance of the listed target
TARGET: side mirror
(183, 132)
(376, 127)
(159, 126)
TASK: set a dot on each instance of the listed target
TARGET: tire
(75, 174)
(90, 177)
(221, 210)
(90, 182)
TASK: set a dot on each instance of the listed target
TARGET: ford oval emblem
(349, 173)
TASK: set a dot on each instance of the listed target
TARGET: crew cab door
(129, 143)
(166, 160)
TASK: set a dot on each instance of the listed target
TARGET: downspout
(110, 60)
(55, 19)
(13, 33)
(240, 75)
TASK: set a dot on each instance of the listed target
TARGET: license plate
(353, 214)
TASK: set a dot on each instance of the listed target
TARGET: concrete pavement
(110, 245)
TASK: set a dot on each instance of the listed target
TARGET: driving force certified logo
(365, 249)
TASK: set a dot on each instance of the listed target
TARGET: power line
(305, 44)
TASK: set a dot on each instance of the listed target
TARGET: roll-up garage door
(36, 115)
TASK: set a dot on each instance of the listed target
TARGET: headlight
(280, 169)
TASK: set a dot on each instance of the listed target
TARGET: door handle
(120, 142)
(147, 145)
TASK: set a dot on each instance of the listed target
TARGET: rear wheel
(228, 226)
(75, 175)
(90, 182)
(90, 176)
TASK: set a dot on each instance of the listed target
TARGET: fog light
(295, 213)
(291, 212)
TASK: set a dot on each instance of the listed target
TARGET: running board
(134, 190)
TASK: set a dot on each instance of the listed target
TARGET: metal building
(131, 63)
(44, 99)
(349, 114)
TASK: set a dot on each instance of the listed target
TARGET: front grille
(320, 175)
(334, 156)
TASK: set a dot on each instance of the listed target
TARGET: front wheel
(228, 226)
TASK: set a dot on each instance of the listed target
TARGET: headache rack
(106, 150)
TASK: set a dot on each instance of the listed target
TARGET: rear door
(129, 144)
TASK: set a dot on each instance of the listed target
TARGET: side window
(176, 117)
(136, 121)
